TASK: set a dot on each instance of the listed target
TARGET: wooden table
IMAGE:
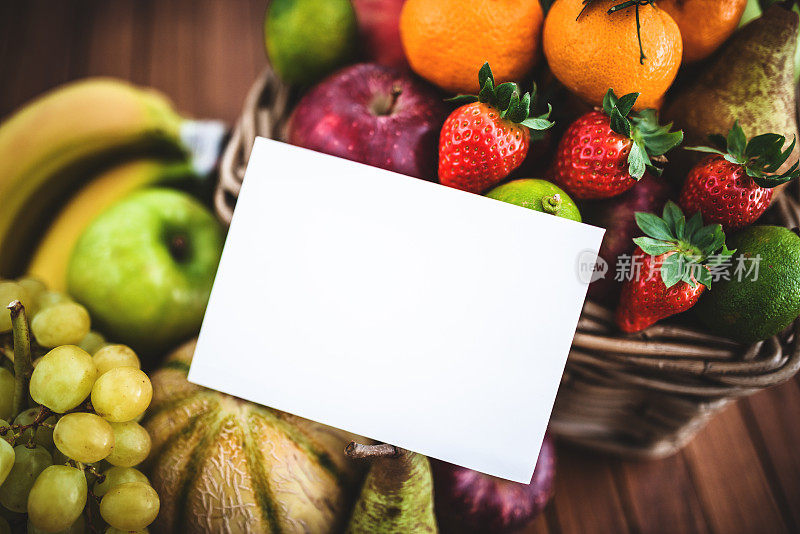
(741, 474)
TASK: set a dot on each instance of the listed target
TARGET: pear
(397, 496)
(750, 79)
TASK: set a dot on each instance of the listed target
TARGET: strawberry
(733, 186)
(670, 267)
(488, 137)
(604, 153)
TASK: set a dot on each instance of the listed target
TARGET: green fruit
(308, 39)
(144, 268)
(78, 527)
(221, 464)
(749, 310)
(750, 79)
(539, 195)
(397, 497)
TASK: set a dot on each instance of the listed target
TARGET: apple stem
(551, 204)
(360, 450)
(178, 247)
(383, 106)
(23, 368)
(397, 90)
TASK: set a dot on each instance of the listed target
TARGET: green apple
(144, 268)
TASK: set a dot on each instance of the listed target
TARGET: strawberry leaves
(761, 156)
(506, 98)
(650, 140)
(688, 244)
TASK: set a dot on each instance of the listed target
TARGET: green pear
(397, 496)
(750, 79)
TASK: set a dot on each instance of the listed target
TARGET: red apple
(374, 115)
(470, 502)
(379, 26)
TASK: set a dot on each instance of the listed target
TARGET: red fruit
(469, 502)
(592, 159)
(488, 137)
(379, 25)
(604, 153)
(669, 269)
(616, 215)
(478, 149)
(645, 299)
(733, 186)
(372, 114)
(724, 194)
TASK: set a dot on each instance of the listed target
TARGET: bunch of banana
(51, 257)
(59, 141)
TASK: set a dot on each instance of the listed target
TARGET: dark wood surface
(740, 475)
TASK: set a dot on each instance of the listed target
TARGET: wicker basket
(637, 395)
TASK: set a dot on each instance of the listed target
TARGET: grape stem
(17, 430)
(100, 476)
(94, 499)
(23, 367)
(359, 450)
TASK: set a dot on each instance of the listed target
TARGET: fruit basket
(645, 394)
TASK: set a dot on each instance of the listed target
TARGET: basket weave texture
(636, 395)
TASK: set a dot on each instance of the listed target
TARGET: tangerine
(590, 50)
(447, 41)
(704, 24)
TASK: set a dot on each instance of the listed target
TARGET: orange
(596, 51)
(447, 41)
(704, 24)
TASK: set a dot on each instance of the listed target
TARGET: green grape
(43, 435)
(114, 476)
(35, 288)
(6, 393)
(51, 298)
(63, 379)
(9, 292)
(5, 431)
(78, 527)
(6, 459)
(92, 342)
(131, 444)
(84, 437)
(57, 498)
(130, 506)
(121, 394)
(112, 530)
(112, 356)
(28, 464)
(61, 324)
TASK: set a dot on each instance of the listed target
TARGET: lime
(539, 195)
(762, 296)
(307, 39)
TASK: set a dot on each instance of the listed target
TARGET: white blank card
(402, 310)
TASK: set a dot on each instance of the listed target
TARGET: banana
(49, 263)
(60, 139)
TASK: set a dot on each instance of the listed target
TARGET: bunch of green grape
(68, 458)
